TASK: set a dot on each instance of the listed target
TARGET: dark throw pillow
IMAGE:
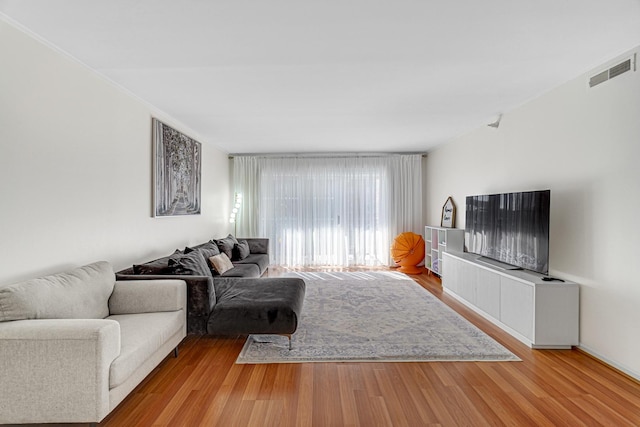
(158, 266)
(226, 245)
(208, 249)
(240, 250)
(192, 264)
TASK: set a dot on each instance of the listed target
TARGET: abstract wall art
(176, 172)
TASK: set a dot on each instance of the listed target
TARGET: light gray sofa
(74, 345)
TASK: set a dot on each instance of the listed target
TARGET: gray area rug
(374, 317)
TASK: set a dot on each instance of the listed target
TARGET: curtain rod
(311, 155)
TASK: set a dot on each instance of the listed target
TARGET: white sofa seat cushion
(140, 336)
(82, 293)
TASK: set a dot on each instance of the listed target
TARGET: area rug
(374, 317)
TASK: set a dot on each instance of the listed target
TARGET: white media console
(540, 314)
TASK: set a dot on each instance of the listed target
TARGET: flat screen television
(512, 228)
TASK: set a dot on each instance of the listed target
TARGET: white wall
(584, 145)
(76, 169)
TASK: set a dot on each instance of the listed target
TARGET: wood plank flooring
(203, 387)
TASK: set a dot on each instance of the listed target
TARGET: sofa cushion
(147, 296)
(240, 250)
(82, 293)
(261, 260)
(140, 336)
(192, 264)
(226, 245)
(242, 270)
(158, 266)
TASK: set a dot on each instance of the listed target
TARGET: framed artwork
(177, 162)
(448, 218)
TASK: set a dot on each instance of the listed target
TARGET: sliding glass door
(321, 212)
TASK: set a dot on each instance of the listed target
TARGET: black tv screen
(512, 228)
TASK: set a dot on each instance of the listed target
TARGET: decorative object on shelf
(448, 218)
(237, 204)
(407, 251)
(177, 161)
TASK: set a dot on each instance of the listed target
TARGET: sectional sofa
(233, 301)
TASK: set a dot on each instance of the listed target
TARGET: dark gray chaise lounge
(256, 306)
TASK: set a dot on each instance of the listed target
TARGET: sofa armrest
(257, 245)
(56, 369)
(201, 297)
(148, 296)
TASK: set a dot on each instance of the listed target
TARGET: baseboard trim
(635, 376)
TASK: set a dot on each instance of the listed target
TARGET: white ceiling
(298, 76)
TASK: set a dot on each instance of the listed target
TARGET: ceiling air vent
(614, 71)
(620, 68)
(599, 78)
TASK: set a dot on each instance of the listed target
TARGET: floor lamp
(237, 203)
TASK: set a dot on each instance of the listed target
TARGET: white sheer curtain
(405, 201)
(329, 211)
(246, 179)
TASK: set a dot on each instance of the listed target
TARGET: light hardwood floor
(203, 387)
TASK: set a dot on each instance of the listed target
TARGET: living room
(76, 169)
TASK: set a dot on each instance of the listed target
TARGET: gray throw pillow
(226, 245)
(240, 250)
(191, 264)
(207, 249)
